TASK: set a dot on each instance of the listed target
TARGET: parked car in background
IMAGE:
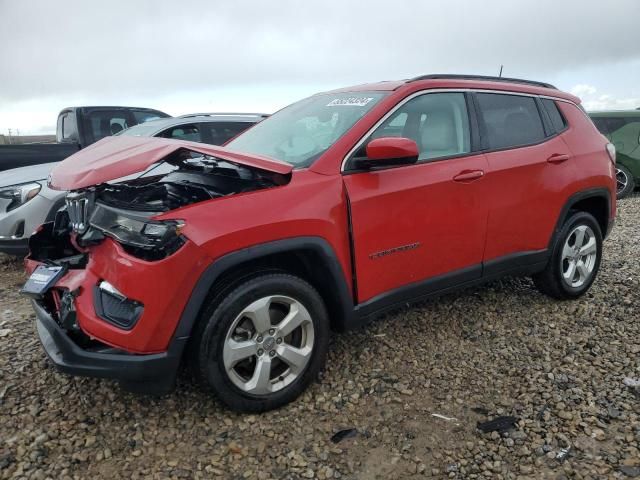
(622, 128)
(26, 201)
(77, 128)
(344, 205)
(211, 128)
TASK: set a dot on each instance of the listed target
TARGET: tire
(557, 279)
(625, 183)
(244, 335)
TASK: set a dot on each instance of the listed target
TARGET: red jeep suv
(239, 260)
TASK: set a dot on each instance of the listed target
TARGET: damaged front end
(94, 270)
(125, 211)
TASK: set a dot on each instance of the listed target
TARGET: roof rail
(224, 114)
(482, 77)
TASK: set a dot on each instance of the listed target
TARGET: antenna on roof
(500, 75)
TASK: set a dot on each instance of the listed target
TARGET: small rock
(632, 472)
(565, 415)
(526, 469)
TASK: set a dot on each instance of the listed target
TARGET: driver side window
(437, 122)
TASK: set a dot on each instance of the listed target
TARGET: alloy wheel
(621, 180)
(268, 345)
(579, 256)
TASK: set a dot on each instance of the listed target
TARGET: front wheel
(264, 343)
(575, 258)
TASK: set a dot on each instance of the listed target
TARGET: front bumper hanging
(153, 373)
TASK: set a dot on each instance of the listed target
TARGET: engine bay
(123, 210)
(192, 178)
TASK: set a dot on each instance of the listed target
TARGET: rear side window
(222, 132)
(142, 116)
(557, 120)
(104, 123)
(616, 123)
(510, 120)
(611, 125)
(189, 132)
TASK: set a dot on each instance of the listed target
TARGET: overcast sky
(187, 56)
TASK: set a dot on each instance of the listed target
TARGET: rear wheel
(624, 181)
(575, 258)
(264, 343)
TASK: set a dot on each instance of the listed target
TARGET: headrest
(438, 132)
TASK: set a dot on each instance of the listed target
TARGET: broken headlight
(135, 230)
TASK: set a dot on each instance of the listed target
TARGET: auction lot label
(349, 102)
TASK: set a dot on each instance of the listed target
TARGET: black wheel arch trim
(599, 192)
(223, 264)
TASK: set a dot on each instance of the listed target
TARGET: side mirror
(389, 151)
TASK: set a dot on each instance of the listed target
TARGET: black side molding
(521, 263)
(416, 291)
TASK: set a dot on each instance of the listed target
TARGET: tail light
(611, 150)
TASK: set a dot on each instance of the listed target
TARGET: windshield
(140, 130)
(300, 133)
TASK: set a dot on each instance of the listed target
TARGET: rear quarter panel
(594, 168)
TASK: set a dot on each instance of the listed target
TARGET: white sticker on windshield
(349, 102)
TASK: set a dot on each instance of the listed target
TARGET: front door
(420, 226)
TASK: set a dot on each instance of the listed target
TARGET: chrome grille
(78, 210)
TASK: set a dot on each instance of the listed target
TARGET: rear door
(419, 226)
(530, 172)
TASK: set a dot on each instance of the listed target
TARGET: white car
(26, 202)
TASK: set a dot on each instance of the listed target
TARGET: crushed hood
(120, 156)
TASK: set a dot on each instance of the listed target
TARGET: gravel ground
(502, 349)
